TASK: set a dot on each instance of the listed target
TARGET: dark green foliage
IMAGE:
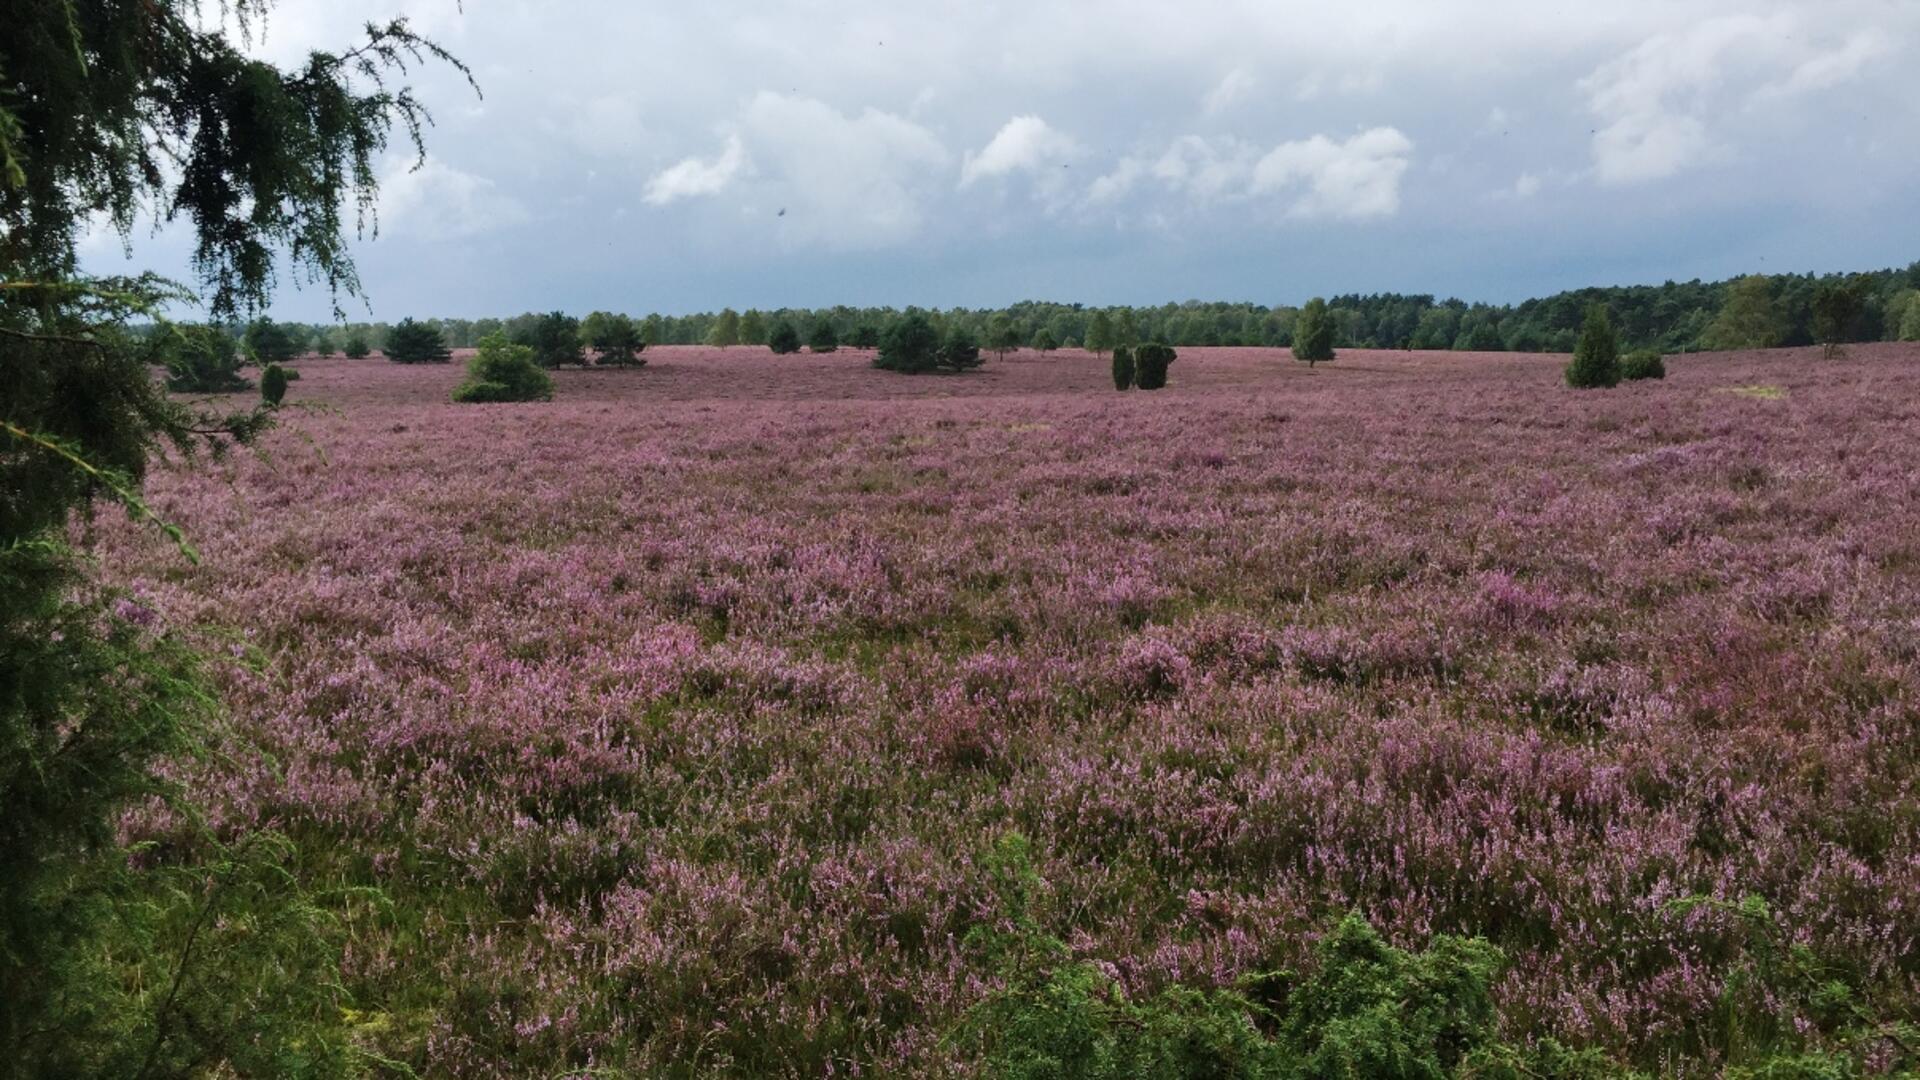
(1643, 364)
(1044, 341)
(911, 346)
(1748, 318)
(959, 351)
(864, 336)
(503, 371)
(1837, 307)
(1596, 359)
(1100, 333)
(273, 385)
(1150, 362)
(1313, 333)
(269, 342)
(201, 360)
(196, 959)
(1002, 335)
(783, 339)
(412, 342)
(1123, 368)
(615, 338)
(554, 338)
(356, 348)
(823, 339)
(1479, 333)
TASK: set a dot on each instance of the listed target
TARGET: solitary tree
(783, 339)
(269, 342)
(725, 331)
(911, 345)
(1123, 369)
(614, 338)
(555, 340)
(503, 371)
(412, 342)
(1748, 318)
(1313, 333)
(823, 339)
(1002, 335)
(1099, 333)
(1596, 359)
(356, 347)
(1837, 307)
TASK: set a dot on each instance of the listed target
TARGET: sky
(679, 157)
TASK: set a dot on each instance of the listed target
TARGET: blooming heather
(676, 718)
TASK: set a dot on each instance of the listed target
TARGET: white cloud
(694, 177)
(1025, 144)
(1231, 90)
(439, 202)
(1527, 186)
(1654, 102)
(1355, 180)
(846, 182)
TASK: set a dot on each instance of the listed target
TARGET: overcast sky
(673, 157)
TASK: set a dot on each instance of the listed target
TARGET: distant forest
(1751, 312)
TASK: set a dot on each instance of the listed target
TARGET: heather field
(719, 716)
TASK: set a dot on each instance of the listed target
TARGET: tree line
(1756, 311)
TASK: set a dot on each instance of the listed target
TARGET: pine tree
(356, 347)
(1002, 335)
(783, 339)
(1313, 333)
(273, 385)
(1123, 370)
(412, 342)
(725, 332)
(823, 339)
(1596, 359)
(503, 371)
(1150, 363)
(1099, 333)
(753, 328)
(1748, 319)
(911, 345)
(959, 351)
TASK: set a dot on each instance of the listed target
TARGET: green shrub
(554, 339)
(864, 336)
(783, 339)
(357, 348)
(1596, 359)
(960, 351)
(412, 342)
(614, 338)
(202, 360)
(503, 371)
(911, 345)
(1123, 369)
(1044, 341)
(269, 342)
(1644, 364)
(1151, 362)
(273, 384)
(823, 339)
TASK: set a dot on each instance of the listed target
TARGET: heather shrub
(202, 360)
(1151, 362)
(1123, 368)
(503, 371)
(1596, 359)
(412, 342)
(273, 384)
(783, 339)
(1643, 364)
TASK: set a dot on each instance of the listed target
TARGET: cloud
(846, 182)
(1025, 144)
(693, 177)
(1231, 90)
(439, 202)
(1654, 101)
(1355, 180)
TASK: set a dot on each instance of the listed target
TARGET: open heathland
(684, 719)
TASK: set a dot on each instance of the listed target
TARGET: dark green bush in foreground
(1645, 364)
(1123, 368)
(1596, 359)
(1151, 362)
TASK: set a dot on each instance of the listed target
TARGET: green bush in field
(1596, 358)
(1150, 362)
(1644, 364)
(503, 371)
(783, 339)
(1123, 368)
(273, 384)
(823, 339)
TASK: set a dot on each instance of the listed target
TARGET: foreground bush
(1644, 364)
(503, 371)
(911, 346)
(273, 384)
(412, 342)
